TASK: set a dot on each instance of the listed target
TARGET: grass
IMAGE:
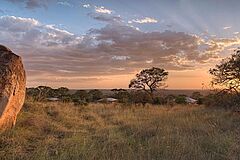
(49, 131)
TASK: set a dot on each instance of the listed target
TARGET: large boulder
(12, 87)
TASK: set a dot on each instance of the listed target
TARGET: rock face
(12, 87)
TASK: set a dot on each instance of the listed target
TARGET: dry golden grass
(63, 131)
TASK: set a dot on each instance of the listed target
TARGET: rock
(12, 87)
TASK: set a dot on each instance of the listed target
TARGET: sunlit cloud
(102, 9)
(227, 27)
(86, 6)
(144, 20)
(149, 61)
(236, 33)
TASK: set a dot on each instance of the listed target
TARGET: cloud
(144, 20)
(27, 31)
(227, 27)
(121, 58)
(64, 3)
(86, 6)
(32, 4)
(106, 18)
(219, 45)
(98, 9)
(115, 49)
(102, 10)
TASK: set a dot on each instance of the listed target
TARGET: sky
(104, 43)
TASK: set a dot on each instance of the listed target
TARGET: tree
(80, 95)
(33, 93)
(181, 99)
(95, 95)
(122, 95)
(62, 91)
(227, 73)
(59, 93)
(198, 96)
(44, 92)
(149, 80)
(141, 97)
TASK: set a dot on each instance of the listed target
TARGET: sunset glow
(103, 44)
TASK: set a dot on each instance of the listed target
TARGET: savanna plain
(57, 130)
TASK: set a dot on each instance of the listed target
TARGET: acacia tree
(43, 92)
(149, 80)
(227, 73)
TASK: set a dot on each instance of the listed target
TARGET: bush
(94, 95)
(140, 97)
(160, 100)
(170, 99)
(180, 99)
(80, 95)
(122, 96)
(66, 98)
(223, 100)
(198, 96)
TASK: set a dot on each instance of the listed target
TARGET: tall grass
(97, 131)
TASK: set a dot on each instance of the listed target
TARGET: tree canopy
(149, 80)
(227, 73)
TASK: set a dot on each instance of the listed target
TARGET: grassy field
(64, 131)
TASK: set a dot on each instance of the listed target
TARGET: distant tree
(58, 93)
(33, 93)
(62, 91)
(118, 90)
(227, 73)
(181, 99)
(66, 98)
(81, 95)
(43, 92)
(160, 100)
(149, 80)
(122, 95)
(95, 95)
(170, 99)
(198, 96)
(140, 96)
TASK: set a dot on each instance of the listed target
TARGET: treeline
(83, 97)
(223, 99)
(63, 94)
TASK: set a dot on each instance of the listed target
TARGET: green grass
(63, 131)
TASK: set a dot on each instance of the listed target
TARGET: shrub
(198, 96)
(140, 97)
(223, 99)
(180, 99)
(122, 95)
(66, 98)
(94, 95)
(160, 100)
